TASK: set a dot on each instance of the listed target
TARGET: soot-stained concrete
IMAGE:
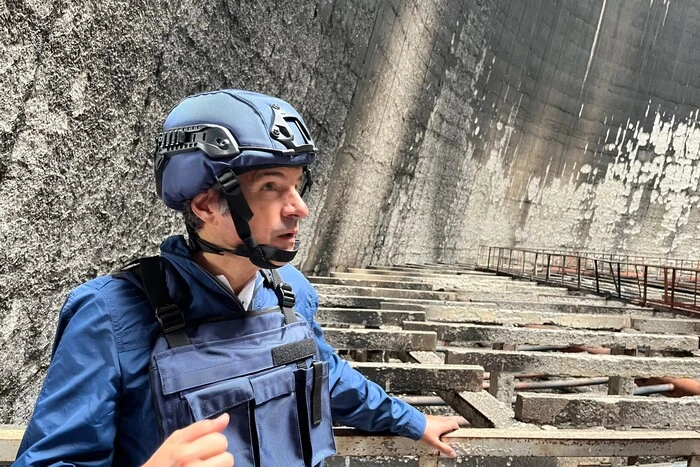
(442, 125)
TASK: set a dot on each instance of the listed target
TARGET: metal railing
(662, 286)
(632, 258)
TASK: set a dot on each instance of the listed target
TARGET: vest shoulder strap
(168, 313)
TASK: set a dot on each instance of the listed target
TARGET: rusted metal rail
(661, 286)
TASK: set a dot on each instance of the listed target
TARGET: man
(235, 163)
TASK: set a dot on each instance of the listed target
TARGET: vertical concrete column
(502, 386)
(359, 355)
(617, 385)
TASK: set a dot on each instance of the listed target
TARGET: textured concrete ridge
(570, 364)
(581, 411)
(511, 317)
(374, 339)
(401, 378)
(460, 333)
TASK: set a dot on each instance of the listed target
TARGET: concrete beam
(461, 314)
(551, 307)
(413, 269)
(434, 282)
(577, 364)
(380, 339)
(385, 284)
(396, 271)
(508, 287)
(418, 378)
(487, 443)
(480, 408)
(341, 301)
(666, 325)
(381, 292)
(510, 335)
(534, 296)
(585, 410)
(511, 317)
(366, 317)
(534, 443)
(437, 279)
(10, 437)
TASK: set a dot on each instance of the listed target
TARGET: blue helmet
(210, 138)
(211, 133)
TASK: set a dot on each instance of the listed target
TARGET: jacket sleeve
(74, 417)
(360, 403)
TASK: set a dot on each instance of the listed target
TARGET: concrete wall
(443, 124)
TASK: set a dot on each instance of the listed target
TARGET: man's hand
(437, 426)
(200, 444)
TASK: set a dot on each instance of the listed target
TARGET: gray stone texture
(422, 378)
(575, 364)
(582, 411)
(462, 333)
(380, 339)
(443, 124)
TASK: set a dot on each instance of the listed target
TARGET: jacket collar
(206, 294)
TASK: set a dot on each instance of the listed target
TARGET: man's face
(273, 196)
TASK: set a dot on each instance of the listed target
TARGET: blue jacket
(95, 407)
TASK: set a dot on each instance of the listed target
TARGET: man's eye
(269, 187)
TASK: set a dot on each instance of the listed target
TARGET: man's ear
(206, 206)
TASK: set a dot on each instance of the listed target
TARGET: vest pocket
(264, 427)
(276, 419)
(235, 397)
(315, 413)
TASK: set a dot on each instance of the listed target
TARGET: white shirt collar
(246, 295)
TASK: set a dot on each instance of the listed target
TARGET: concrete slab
(575, 364)
(551, 307)
(481, 409)
(379, 339)
(511, 317)
(585, 410)
(502, 386)
(465, 332)
(366, 317)
(532, 297)
(383, 292)
(491, 315)
(666, 325)
(10, 437)
(508, 287)
(345, 301)
(455, 271)
(507, 443)
(419, 378)
(433, 358)
(385, 284)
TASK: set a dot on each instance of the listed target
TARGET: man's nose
(295, 206)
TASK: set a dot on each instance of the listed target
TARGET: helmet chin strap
(260, 255)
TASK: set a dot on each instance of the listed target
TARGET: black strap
(284, 292)
(316, 392)
(168, 314)
(260, 255)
